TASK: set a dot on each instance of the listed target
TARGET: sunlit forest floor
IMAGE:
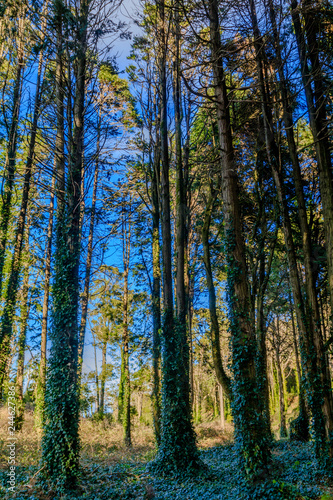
(112, 472)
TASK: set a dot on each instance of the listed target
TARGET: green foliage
(119, 97)
(100, 416)
(294, 476)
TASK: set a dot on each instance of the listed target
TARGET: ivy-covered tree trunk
(250, 432)
(61, 440)
(156, 291)
(7, 318)
(10, 166)
(58, 190)
(316, 97)
(181, 241)
(177, 450)
(311, 295)
(310, 334)
(262, 369)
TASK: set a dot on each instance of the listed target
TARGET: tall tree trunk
(299, 427)
(283, 427)
(7, 319)
(221, 375)
(181, 212)
(316, 103)
(40, 395)
(311, 292)
(10, 165)
(313, 82)
(85, 296)
(19, 416)
(247, 402)
(177, 447)
(126, 415)
(262, 369)
(103, 379)
(311, 359)
(180, 187)
(96, 375)
(221, 398)
(156, 291)
(61, 438)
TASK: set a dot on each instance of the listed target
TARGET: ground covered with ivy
(111, 472)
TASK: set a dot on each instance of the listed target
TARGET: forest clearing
(110, 470)
(166, 249)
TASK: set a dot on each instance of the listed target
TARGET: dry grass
(110, 470)
(102, 442)
(210, 434)
(27, 442)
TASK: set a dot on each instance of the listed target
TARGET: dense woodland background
(166, 232)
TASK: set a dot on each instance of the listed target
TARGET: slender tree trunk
(121, 388)
(85, 296)
(96, 375)
(40, 396)
(156, 292)
(180, 187)
(221, 375)
(103, 378)
(177, 447)
(60, 134)
(140, 402)
(262, 368)
(313, 82)
(299, 428)
(10, 166)
(19, 416)
(7, 319)
(283, 427)
(314, 384)
(126, 416)
(250, 431)
(316, 103)
(222, 416)
(311, 292)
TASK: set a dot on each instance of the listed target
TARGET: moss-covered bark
(250, 431)
(61, 442)
(177, 451)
